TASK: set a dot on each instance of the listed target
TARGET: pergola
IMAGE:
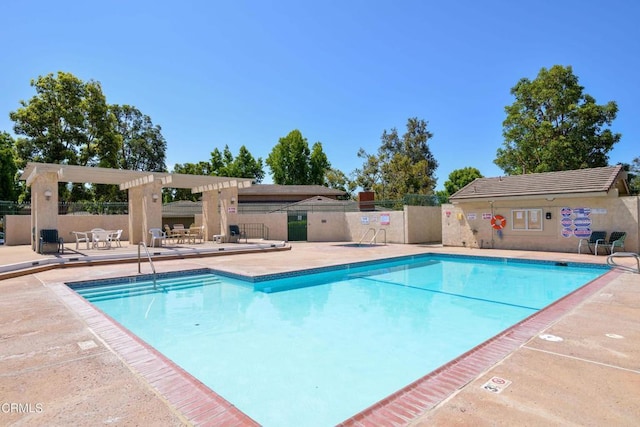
(144, 193)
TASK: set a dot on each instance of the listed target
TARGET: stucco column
(44, 205)
(135, 216)
(210, 214)
(145, 211)
(228, 209)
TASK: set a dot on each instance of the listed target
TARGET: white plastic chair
(101, 239)
(82, 237)
(157, 235)
(115, 237)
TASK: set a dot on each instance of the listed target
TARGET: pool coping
(203, 406)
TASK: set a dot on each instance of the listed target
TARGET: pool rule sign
(576, 222)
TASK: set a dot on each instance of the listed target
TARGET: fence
(69, 208)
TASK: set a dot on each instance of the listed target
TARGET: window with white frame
(526, 219)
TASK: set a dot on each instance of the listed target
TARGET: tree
(291, 162)
(634, 176)
(64, 122)
(68, 121)
(554, 126)
(403, 165)
(244, 165)
(200, 168)
(459, 178)
(335, 178)
(141, 144)
(8, 168)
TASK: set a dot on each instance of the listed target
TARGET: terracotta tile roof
(594, 180)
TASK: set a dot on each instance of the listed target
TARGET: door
(297, 226)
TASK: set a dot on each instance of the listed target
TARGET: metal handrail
(376, 235)
(365, 235)
(612, 263)
(153, 268)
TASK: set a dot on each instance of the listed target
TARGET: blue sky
(212, 73)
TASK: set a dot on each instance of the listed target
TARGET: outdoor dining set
(179, 234)
(98, 238)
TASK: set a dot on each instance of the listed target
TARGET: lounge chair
(157, 235)
(596, 238)
(50, 237)
(616, 240)
(235, 234)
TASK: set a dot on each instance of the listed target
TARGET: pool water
(315, 349)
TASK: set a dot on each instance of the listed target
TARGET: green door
(297, 226)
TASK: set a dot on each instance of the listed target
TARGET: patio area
(64, 362)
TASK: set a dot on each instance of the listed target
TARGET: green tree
(64, 122)
(200, 168)
(554, 126)
(335, 178)
(141, 144)
(291, 162)
(459, 178)
(8, 168)
(68, 121)
(403, 165)
(244, 165)
(634, 176)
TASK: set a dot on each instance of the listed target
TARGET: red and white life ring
(498, 222)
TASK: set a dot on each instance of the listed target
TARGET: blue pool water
(315, 349)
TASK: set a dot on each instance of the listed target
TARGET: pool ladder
(611, 260)
(375, 235)
(153, 268)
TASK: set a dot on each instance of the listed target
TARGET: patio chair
(235, 234)
(196, 233)
(50, 237)
(115, 237)
(596, 238)
(616, 240)
(81, 237)
(101, 239)
(168, 231)
(157, 235)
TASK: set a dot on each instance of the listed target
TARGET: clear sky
(212, 73)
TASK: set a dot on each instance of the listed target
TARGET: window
(526, 219)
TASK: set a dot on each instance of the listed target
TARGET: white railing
(153, 268)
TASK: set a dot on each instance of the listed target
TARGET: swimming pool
(320, 347)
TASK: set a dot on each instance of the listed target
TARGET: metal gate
(297, 226)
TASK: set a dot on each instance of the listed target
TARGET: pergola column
(44, 204)
(228, 209)
(210, 214)
(145, 208)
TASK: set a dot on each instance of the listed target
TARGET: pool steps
(107, 292)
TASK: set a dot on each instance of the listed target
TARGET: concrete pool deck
(62, 362)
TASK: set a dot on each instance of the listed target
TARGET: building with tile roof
(549, 211)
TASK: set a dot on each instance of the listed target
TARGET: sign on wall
(577, 221)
